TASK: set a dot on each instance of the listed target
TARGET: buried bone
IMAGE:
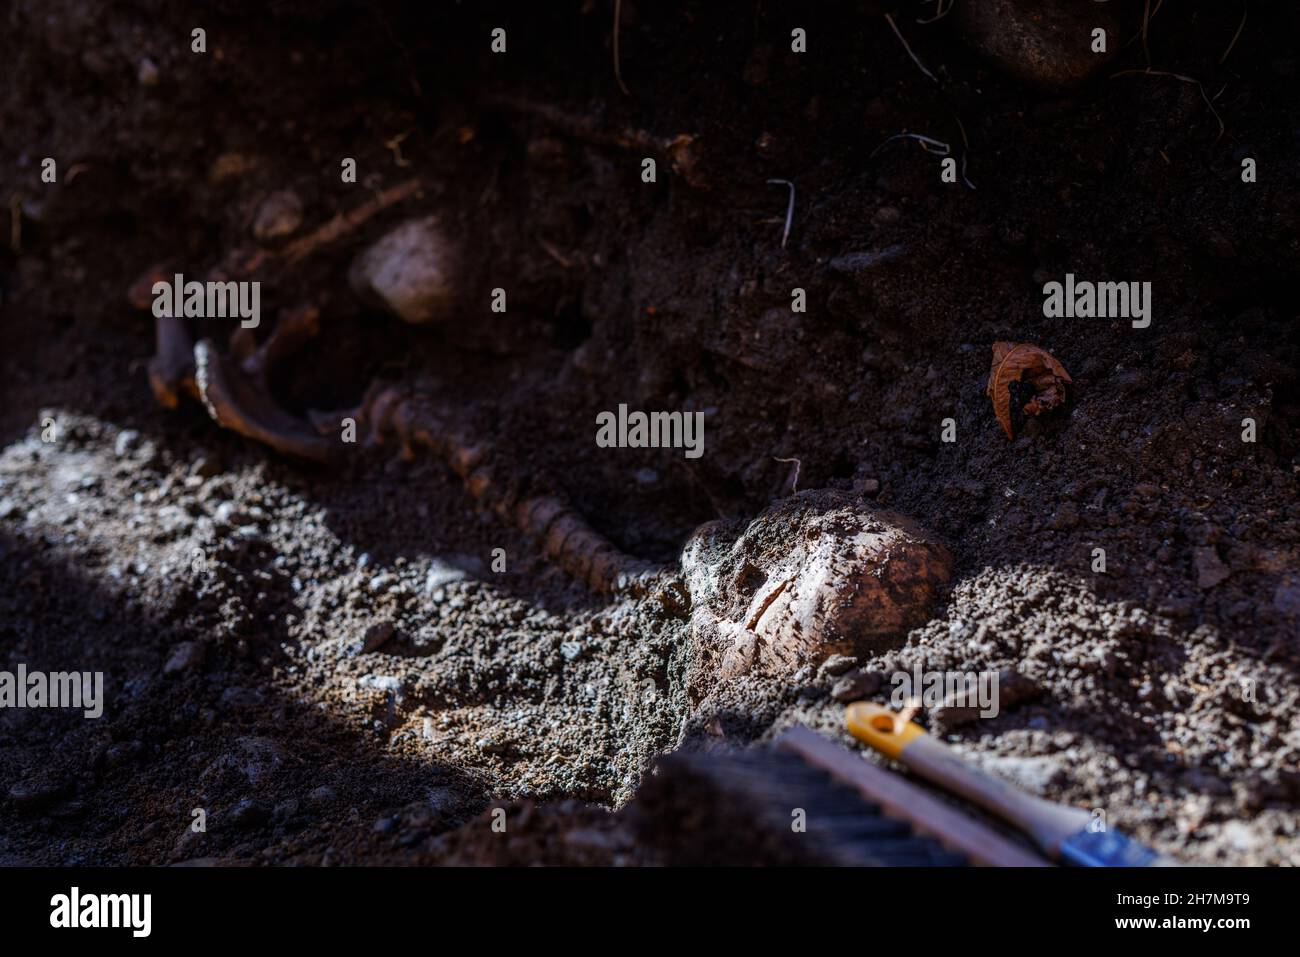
(816, 574)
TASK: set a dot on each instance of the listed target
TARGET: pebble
(376, 636)
(206, 466)
(1047, 43)
(34, 794)
(381, 582)
(411, 272)
(442, 573)
(146, 72)
(856, 685)
(280, 214)
(126, 442)
(1286, 598)
(186, 655)
(869, 487)
(387, 683)
(836, 665)
(1209, 568)
(856, 262)
(1013, 688)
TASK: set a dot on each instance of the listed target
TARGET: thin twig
(789, 208)
(1146, 21)
(794, 483)
(940, 11)
(889, 18)
(395, 147)
(1245, 8)
(965, 149)
(681, 151)
(618, 68)
(940, 147)
(343, 223)
(931, 145)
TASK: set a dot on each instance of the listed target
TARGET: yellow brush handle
(880, 728)
(905, 741)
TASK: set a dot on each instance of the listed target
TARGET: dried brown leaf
(1024, 361)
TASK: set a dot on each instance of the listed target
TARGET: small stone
(1209, 568)
(206, 466)
(442, 573)
(126, 442)
(186, 655)
(1286, 598)
(8, 508)
(382, 582)
(34, 794)
(228, 513)
(411, 272)
(146, 72)
(856, 685)
(280, 214)
(1241, 836)
(571, 650)
(1047, 43)
(377, 635)
(1013, 688)
(836, 665)
(858, 262)
(386, 683)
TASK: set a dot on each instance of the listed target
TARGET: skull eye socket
(749, 579)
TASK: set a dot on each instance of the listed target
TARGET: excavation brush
(1066, 834)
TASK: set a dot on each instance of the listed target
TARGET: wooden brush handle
(1047, 823)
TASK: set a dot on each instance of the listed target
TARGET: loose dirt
(326, 662)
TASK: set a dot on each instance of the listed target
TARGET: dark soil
(140, 536)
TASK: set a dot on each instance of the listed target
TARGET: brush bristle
(771, 807)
